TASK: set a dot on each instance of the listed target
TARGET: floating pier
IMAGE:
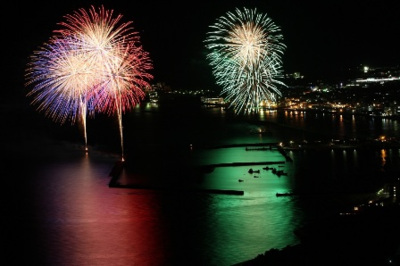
(242, 164)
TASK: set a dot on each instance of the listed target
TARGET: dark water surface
(58, 209)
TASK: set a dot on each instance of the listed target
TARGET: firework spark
(245, 52)
(92, 61)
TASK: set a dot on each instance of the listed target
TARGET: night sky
(322, 38)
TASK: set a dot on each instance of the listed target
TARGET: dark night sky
(322, 38)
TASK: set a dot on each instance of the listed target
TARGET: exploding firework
(245, 51)
(121, 81)
(93, 61)
(122, 64)
(62, 81)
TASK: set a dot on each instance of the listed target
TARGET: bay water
(59, 210)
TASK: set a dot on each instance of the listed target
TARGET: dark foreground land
(366, 237)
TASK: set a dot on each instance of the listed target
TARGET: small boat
(280, 172)
(251, 171)
(241, 180)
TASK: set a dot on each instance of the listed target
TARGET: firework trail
(106, 67)
(245, 51)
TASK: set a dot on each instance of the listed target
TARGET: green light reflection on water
(258, 210)
(258, 220)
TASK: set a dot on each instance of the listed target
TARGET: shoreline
(364, 236)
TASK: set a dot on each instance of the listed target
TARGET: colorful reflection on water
(64, 213)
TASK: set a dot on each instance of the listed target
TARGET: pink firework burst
(111, 60)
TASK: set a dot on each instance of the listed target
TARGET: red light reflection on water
(92, 224)
(123, 231)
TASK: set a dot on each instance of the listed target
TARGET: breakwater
(117, 169)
